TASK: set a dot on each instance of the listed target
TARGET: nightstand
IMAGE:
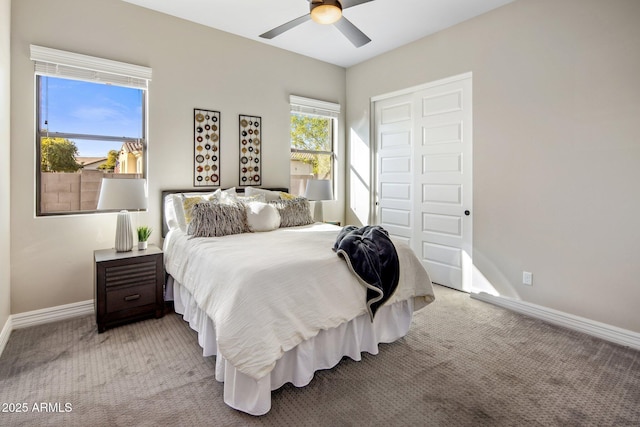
(128, 285)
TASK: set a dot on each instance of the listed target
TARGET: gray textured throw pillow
(212, 219)
(294, 212)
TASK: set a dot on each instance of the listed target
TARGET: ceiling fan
(327, 12)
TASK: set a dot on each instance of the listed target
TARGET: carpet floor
(463, 363)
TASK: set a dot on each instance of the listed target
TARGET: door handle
(467, 213)
(132, 297)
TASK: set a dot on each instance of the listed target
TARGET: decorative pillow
(269, 195)
(294, 212)
(174, 208)
(211, 219)
(286, 196)
(187, 205)
(262, 216)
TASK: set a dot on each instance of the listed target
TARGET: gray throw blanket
(372, 257)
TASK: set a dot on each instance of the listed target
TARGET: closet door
(424, 175)
(442, 155)
(394, 135)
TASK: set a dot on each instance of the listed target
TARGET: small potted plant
(143, 235)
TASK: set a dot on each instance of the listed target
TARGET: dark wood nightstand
(128, 285)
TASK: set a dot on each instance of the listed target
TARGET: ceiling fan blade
(350, 3)
(350, 31)
(286, 27)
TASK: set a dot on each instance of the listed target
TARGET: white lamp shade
(122, 194)
(319, 189)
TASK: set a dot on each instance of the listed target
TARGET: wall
(5, 176)
(193, 67)
(556, 146)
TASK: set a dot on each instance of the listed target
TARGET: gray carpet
(463, 363)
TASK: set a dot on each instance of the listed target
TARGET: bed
(275, 304)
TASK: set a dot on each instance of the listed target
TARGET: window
(313, 132)
(91, 124)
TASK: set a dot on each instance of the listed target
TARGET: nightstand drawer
(130, 297)
(131, 274)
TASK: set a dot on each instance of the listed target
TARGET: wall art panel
(206, 148)
(250, 150)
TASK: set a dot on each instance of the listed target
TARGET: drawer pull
(132, 297)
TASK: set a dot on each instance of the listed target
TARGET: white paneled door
(424, 176)
(395, 170)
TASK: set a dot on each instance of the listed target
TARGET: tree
(312, 133)
(58, 155)
(110, 164)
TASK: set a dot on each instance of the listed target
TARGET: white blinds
(314, 106)
(58, 63)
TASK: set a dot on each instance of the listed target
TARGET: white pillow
(262, 216)
(170, 215)
(225, 196)
(254, 198)
(269, 195)
(231, 191)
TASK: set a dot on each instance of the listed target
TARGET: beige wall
(5, 137)
(556, 139)
(193, 67)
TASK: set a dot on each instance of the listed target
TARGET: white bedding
(298, 365)
(268, 292)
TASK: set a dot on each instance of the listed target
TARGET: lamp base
(124, 233)
(318, 214)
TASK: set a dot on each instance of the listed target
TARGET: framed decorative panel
(250, 150)
(206, 148)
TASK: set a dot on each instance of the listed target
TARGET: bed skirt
(297, 365)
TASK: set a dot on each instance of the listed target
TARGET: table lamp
(318, 190)
(123, 194)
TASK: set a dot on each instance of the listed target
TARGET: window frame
(326, 110)
(72, 66)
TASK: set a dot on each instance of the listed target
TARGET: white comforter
(267, 292)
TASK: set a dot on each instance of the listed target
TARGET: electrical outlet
(527, 278)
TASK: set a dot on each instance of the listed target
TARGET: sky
(75, 106)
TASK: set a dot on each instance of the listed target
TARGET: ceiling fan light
(326, 13)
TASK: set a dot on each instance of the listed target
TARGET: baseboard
(52, 314)
(4, 334)
(591, 327)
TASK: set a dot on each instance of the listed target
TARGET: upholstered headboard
(165, 193)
